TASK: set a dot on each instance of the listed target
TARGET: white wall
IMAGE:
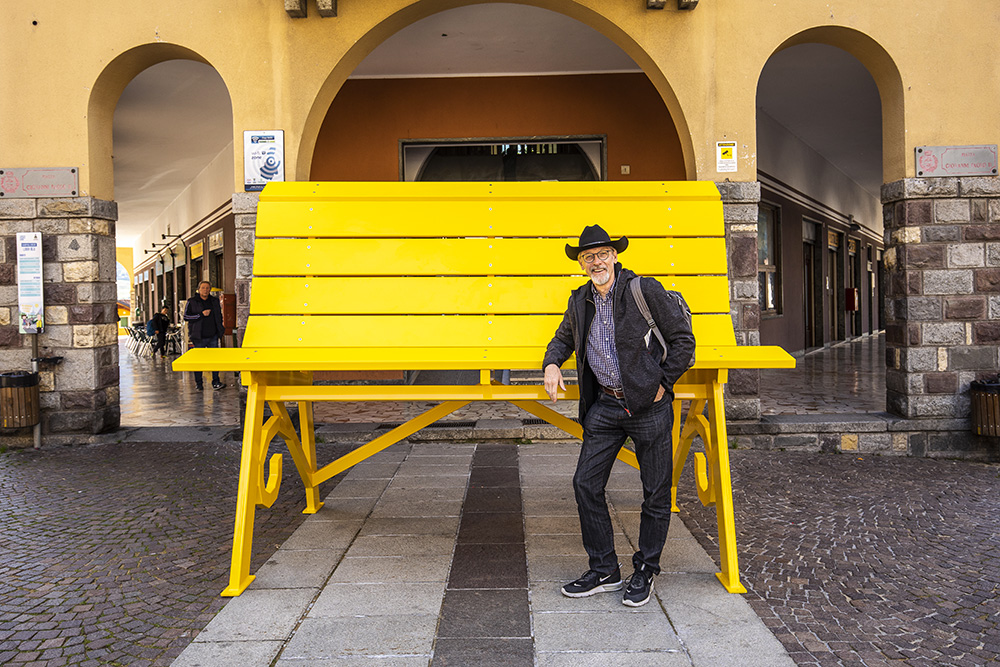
(787, 158)
(210, 189)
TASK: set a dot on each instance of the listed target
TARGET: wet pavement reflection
(848, 378)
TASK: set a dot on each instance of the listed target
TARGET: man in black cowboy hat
(626, 391)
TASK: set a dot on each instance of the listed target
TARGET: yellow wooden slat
(452, 295)
(453, 190)
(476, 256)
(491, 209)
(452, 331)
(503, 218)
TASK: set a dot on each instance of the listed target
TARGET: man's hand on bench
(553, 381)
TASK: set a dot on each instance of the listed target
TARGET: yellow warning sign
(725, 156)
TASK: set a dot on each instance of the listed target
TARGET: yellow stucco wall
(66, 63)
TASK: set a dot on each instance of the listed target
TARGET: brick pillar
(942, 260)
(245, 212)
(79, 395)
(739, 209)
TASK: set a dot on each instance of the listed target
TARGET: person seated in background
(161, 323)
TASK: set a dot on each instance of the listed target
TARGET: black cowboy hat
(595, 237)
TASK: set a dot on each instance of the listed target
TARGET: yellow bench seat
(434, 358)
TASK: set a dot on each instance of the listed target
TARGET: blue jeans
(206, 342)
(605, 429)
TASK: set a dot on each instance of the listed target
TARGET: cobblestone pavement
(867, 560)
(116, 553)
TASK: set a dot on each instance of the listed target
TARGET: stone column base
(80, 394)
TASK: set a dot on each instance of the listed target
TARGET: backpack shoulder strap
(640, 300)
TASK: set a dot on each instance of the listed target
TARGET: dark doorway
(812, 294)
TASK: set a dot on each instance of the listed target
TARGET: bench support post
(723, 496)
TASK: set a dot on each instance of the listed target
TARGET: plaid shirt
(602, 356)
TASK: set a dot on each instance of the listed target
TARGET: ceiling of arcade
(174, 118)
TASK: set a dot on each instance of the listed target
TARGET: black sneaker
(591, 583)
(217, 385)
(199, 387)
(638, 588)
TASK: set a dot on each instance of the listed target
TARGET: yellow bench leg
(246, 501)
(721, 488)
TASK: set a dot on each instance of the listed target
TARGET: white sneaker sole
(629, 603)
(603, 588)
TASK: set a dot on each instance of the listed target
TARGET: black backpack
(151, 326)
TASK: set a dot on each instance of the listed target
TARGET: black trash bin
(985, 407)
(18, 399)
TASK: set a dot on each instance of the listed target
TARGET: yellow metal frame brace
(275, 389)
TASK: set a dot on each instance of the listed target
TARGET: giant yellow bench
(464, 276)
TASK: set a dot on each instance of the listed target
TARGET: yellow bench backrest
(468, 264)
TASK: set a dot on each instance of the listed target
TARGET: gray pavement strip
(360, 661)
(258, 615)
(392, 569)
(395, 635)
(603, 631)
(352, 599)
(289, 568)
(402, 545)
(620, 659)
(228, 654)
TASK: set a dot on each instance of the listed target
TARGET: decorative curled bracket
(278, 424)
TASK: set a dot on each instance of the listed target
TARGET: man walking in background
(204, 318)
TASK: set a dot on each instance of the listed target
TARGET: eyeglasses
(591, 256)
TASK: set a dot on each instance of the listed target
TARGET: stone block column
(739, 209)
(942, 260)
(80, 394)
(245, 213)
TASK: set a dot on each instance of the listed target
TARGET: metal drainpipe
(37, 428)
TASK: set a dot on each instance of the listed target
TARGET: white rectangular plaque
(31, 309)
(956, 160)
(39, 182)
(263, 158)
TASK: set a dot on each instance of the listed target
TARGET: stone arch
(381, 31)
(884, 71)
(104, 95)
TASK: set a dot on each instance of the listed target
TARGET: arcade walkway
(848, 378)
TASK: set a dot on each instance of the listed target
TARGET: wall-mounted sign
(957, 160)
(725, 156)
(158, 267)
(263, 158)
(179, 252)
(215, 240)
(39, 182)
(832, 240)
(852, 246)
(31, 308)
(197, 249)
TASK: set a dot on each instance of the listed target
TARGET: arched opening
(169, 164)
(499, 74)
(822, 119)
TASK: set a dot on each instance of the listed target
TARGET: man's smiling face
(601, 271)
